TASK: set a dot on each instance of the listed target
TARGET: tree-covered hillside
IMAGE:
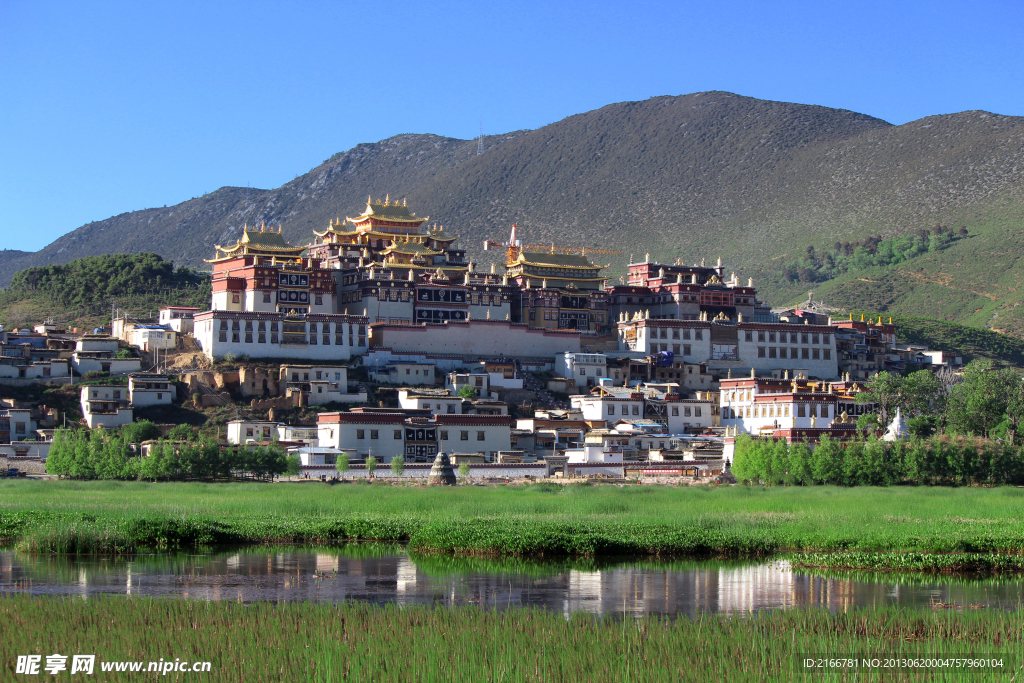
(83, 291)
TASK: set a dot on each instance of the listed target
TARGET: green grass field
(538, 520)
(348, 642)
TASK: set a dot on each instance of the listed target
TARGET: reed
(358, 642)
(543, 521)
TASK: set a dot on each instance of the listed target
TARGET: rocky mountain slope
(695, 176)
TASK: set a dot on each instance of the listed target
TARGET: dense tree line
(113, 454)
(815, 266)
(95, 279)
(982, 401)
(935, 461)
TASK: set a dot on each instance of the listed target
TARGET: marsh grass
(356, 642)
(543, 521)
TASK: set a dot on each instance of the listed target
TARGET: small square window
(398, 433)
(463, 436)
(374, 434)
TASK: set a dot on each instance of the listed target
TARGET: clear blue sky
(116, 106)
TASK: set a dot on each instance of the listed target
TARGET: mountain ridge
(689, 176)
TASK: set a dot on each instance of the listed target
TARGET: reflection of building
(746, 589)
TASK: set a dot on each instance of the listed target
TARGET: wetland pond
(388, 574)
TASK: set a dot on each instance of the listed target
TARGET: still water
(388, 574)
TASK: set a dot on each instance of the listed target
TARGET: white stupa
(897, 429)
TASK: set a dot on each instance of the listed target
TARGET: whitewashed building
(585, 368)
(106, 406)
(244, 431)
(149, 389)
(752, 405)
(181, 319)
(386, 434)
(98, 353)
(153, 337)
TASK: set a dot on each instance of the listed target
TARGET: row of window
(261, 338)
(440, 406)
(262, 326)
(662, 333)
(802, 410)
(463, 435)
(625, 409)
(320, 374)
(788, 337)
(803, 354)
(686, 349)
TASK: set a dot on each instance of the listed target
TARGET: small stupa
(897, 428)
(441, 471)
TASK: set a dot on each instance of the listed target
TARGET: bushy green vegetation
(72, 516)
(956, 462)
(82, 291)
(983, 401)
(872, 252)
(102, 454)
(93, 279)
(265, 642)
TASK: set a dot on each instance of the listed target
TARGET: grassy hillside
(975, 280)
(695, 176)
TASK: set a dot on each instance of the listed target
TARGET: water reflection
(389, 575)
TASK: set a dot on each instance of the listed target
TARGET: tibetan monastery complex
(386, 281)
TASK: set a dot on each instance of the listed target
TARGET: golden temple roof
(413, 247)
(388, 211)
(262, 242)
(545, 260)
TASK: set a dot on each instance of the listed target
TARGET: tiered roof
(386, 212)
(260, 242)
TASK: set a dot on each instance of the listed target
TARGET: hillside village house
(320, 384)
(98, 353)
(251, 431)
(16, 424)
(407, 372)
(181, 319)
(150, 389)
(106, 406)
(480, 382)
(153, 337)
(585, 368)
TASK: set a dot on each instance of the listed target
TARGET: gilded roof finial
(387, 200)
